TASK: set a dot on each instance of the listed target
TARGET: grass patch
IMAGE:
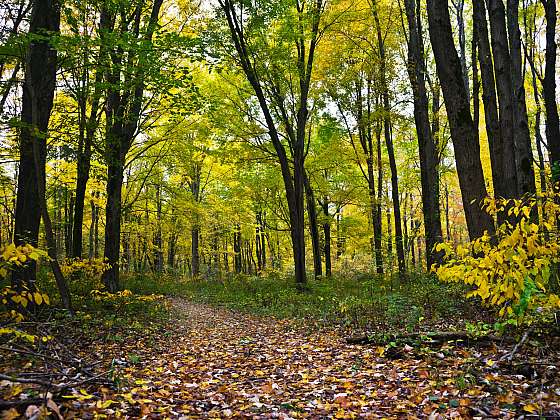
(364, 301)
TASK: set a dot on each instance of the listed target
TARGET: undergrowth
(360, 301)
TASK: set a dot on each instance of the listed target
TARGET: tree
(122, 114)
(387, 129)
(37, 101)
(549, 87)
(271, 88)
(463, 132)
(427, 147)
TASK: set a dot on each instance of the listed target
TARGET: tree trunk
(69, 217)
(427, 147)
(549, 89)
(158, 240)
(195, 254)
(327, 233)
(38, 93)
(387, 127)
(461, 35)
(122, 112)
(87, 134)
(521, 135)
(237, 249)
(83, 166)
(502, 67)
(489, 100)
(463, 135)
(339, 235)
(113, 217)
(40, 83)
(313, 227)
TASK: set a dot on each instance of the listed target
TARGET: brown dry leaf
(10, 414)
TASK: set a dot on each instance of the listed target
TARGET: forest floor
(211, 362)
(214, 363)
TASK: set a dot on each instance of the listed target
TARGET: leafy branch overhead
(281, 208)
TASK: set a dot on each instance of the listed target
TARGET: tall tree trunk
(504, 85)
(549, 89)
(459, 6)
(237, 248)
(293, 179)
(263, 239)
(463, 135)
(195, 253)
(489, 99)
(158, 240)
(39, 86)
(113, 218)
(376, 201)
(313, 227)
(389, 144)
(427, 147)
(87, 133)
(69, 216)
(122, 112)
(327, 234)
(339, 234)
(521, 135)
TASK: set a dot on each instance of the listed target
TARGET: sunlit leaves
(512, 270)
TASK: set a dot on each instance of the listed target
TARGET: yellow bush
(15, 256)
(513, 269)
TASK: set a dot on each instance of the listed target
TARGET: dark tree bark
(158, 239)
(427, 147)
(476, 85)
(195, 187)
(313, 227)
(88, 125)
(504, 85)
(387, 127)
(521, 135)
(171, 250)
(122, 114)
(459, 6)
(489, 99)
(39, 85)
(237, 249)
(195, 252)
(68, 220)
(340, 239)
(549, 89)
(463, 135)
(327, 233)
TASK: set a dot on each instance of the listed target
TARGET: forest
(279, 209)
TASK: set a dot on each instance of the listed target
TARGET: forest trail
(218, 363)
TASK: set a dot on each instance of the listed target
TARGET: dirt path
(218, 364)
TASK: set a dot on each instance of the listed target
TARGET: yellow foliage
(85, 267)
(10, 299)
(512, 269)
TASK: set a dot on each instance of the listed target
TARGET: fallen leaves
(224, 364)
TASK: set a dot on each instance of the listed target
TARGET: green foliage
(360, 301)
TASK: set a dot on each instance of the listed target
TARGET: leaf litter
(217, 363)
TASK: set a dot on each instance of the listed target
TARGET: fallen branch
(27, 381)
(509, 356)
(18, 403)
(427, 338)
